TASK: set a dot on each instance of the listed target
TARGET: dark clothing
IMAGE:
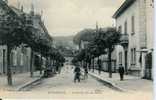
(77, 77)
(77, 72)
(121, 72)
(121, 77)
(85, 73)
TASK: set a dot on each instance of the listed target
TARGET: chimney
(22, 8)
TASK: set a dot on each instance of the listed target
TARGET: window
(152, 3)
(133, 56)
(120, 29)
(120, 57)
(14, 58)
(125, 30)
(21, 60)
(134, 51)
(133, 24)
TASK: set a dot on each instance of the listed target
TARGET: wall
(20, 60)
(150, 23)
(134, 40)
(143, 10)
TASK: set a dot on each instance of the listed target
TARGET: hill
(64, 41)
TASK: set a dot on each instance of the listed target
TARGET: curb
(108, 83)
(29, 84)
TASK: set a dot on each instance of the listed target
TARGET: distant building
(135, 20)
(83, 45)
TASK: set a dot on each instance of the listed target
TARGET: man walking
(121, 72)
(77, 72)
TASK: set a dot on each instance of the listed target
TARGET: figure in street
(99, 66)
(77, 72)
(85, 73)
(121, 72)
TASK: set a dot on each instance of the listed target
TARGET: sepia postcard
(77, 49)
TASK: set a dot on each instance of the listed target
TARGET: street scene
(63, 49)
(61, 81)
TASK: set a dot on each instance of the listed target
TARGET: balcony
(124, 40)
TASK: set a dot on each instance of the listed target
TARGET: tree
(104, 41)
(11, 27)
(16, 31)
(84, 35)
(110, 38)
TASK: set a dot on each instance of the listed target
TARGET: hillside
(65, 41)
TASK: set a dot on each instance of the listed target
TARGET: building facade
(21, 56)
(135, 20)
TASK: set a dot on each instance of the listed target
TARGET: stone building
(21, 56)
(135, 20)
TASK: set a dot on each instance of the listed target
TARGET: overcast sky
(67, 17)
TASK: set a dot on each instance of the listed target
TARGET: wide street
(44, 44)
(62, 86)
(64, 82)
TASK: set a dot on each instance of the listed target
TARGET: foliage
(85, 35)
(104, 41)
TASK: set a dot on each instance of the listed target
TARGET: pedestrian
(121, 72)
(85, 73)
(77, 72)
(99, 66)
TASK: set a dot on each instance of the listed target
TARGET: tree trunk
(89, 64)
(9, 73)
(53, 62)
(109, 63)
(31, 64)
(85, 64)
(93, 64)
(46, 62)
(81, 63)
(41, 64)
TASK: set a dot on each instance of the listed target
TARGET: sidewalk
(19, 80)
(130, 83)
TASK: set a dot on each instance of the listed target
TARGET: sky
(67, 17)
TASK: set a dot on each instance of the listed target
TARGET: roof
(123, 7)
(17, 11)
(19, 14)
(12, 9)
(6, 7)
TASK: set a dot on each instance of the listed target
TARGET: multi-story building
(21, 56)
(135, 20)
